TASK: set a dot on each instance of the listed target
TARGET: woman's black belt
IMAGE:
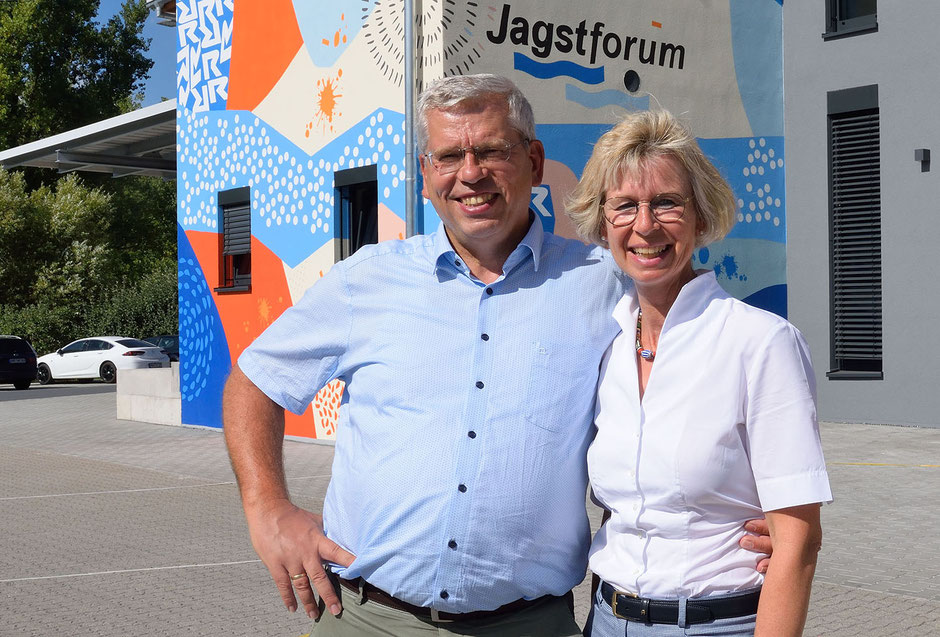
(697, 611)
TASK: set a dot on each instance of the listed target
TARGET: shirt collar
(531, 243)
(692, 299)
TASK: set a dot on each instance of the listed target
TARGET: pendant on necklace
(648, 354)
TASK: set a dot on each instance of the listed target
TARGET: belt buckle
(436, 617)
(615, 596)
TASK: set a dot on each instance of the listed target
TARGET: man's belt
(372, 594)
(697, 611)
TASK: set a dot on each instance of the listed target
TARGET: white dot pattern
(219, 150)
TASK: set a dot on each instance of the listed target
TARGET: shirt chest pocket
(560, 385)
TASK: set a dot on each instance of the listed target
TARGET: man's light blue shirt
(459, 474)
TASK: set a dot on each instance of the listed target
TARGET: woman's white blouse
(726, 430)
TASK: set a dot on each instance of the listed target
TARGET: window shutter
(236, 229)
(856, 238)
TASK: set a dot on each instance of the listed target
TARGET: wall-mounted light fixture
(923, 156)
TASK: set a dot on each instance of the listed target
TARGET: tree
(71, 246)
(60, 70)
(72, 264)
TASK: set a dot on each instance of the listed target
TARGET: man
(470, 358)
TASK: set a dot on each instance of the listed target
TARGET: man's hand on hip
(291, 543)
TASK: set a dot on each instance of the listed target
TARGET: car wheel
(44, 375)
(108, 372)
(22, 384)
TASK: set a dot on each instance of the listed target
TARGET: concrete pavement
(113, 527)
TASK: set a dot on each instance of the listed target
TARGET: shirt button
(479, 384)
(462, 488)
(452, 544)
(444, 595)
(485, 337)
(457, 262)
(489, 291)
(472, 434)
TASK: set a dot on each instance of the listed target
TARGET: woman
(706, 412)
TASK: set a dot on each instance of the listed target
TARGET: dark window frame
(351, 233)
(855, 239)
(235, 241)
(839, 26)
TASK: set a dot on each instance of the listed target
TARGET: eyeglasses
(489, 155)
(665, 208)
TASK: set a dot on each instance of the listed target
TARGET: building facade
(291, 149)
(861, 88)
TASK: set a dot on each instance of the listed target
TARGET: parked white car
(99, 357)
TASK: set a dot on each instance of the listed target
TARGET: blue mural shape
(757, 42)
(541, 203)
(204, 358)
(204, 28)
(608, 97)
(570, 144)
(753, 167)
(547, 70)
(317, 19)
(291, 191)
(773, 299)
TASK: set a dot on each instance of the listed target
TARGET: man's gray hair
(448, 93)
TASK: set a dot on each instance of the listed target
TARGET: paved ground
(116, 528)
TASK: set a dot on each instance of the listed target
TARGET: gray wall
(903, 59)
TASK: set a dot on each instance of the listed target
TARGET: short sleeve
(300, 352)
(783, 432)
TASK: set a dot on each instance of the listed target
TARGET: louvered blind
(856, 239)
(236, 229)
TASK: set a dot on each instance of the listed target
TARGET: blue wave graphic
(546, 70)
(609, 97)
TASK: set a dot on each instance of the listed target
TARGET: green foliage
(54, 242)
(74, 263)
(148, 308)
(45, 325)
(78, 256)
(59, 69)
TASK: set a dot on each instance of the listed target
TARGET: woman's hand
(759, 542)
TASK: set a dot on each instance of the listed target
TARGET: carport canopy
(142, 142)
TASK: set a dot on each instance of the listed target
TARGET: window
(235, 211)
(850, 17)
(358, 218)
(855, 233)
(72, 348)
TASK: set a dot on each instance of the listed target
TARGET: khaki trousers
(549, 618)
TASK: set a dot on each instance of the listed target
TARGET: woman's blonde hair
(642, 136)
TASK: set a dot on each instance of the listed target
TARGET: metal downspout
(409, 120)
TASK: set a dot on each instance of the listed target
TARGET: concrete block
(149, 395)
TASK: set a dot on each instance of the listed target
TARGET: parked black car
(17, 361)
(169, 342)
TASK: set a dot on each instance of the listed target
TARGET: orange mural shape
(245, 315)
(326, 408)
(265, 40)
(339, 37)
(327, 103)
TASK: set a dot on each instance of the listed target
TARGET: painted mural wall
(277, 95)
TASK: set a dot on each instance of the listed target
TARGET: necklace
(648, 354)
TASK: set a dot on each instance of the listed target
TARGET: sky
(162, 82)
